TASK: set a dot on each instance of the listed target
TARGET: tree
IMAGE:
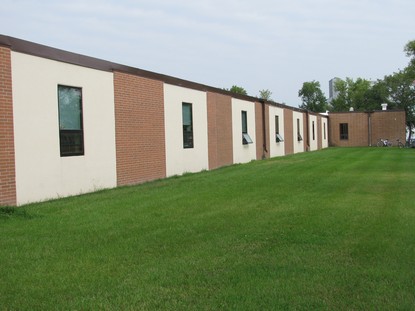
(312, 97)
(341, 102)
(376, 95)
(352, 94)
(401, 88)
(265, 94)
(401, 91)
(238, 90)
(409, 49)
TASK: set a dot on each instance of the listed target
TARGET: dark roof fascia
(366, 111)
(35, 49)
(389, 110)
(283, 106)
(319, 114)
(178, 82)
(39, 50)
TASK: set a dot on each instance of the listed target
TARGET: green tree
(401, 91)
(359, 94)
(312, 97)
(341, 102)
(376, 95)
(409, 49)
(401, 88)
(397, 89)
(265, 94)
(352, 94)
(238, 90)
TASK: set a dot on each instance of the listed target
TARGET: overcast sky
(261, 44)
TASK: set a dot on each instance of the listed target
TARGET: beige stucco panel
(324, 133)
(276, 149)
(41, 173)
(243, 153)
(312, 122)
(298, 145)
(180, 160)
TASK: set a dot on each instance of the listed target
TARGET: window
(324, 130)
(314, 133)
(344, 131)
(244, 122)
(278, 137)
(299, 137)
(71, 133)
(246, 139)
(187, 115)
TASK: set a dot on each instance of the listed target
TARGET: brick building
(73, 124)
(348, 129)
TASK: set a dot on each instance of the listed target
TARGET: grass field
(327, 230)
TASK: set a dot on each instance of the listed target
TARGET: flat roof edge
(39, 50)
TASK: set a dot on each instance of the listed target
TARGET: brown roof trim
(389, 110)
(35, 49)
(283, 106)
(372, 111)
(44, 51)
(318, 114)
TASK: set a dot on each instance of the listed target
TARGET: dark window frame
(278, 137)
(188, 135)
(246, 139)
(244, 116)
(344, 131)
(71, 141)
(299, 137)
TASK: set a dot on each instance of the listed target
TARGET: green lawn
(326, 230)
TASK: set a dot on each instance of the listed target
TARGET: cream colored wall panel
(180, 160)
(243, 153)
(41, 173)
(298, 145)
(312, 126)
(276, 148)
(324, 133)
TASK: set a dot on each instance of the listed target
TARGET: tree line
(263, 94)
(397, 90)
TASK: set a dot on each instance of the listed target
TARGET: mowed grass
(326, 230)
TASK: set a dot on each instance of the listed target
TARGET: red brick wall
(306, 135)
(388, 124)
(267, 131)
(219, 109)
(288, 131)
(357, 125)
(384, 124)
(7, 160)
(139, 129)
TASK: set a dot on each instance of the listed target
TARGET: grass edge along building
(72, 124)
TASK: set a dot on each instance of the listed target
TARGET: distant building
(365, 128)
(333, 93)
